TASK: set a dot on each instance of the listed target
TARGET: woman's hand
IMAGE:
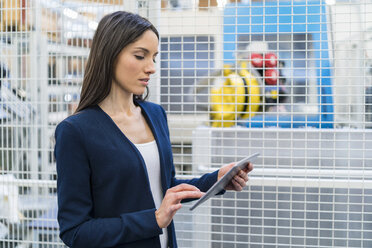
(239, 181)
(172, 202)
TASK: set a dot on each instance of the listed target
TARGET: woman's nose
(150, 69)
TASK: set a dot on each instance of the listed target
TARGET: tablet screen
(221, 184)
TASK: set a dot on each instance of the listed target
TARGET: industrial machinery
(301, 45)
(238, 92)
(253, 86)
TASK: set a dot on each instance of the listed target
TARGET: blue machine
(278, 18)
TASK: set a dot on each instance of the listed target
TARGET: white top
(150, 155)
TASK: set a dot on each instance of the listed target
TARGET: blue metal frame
(285, 17)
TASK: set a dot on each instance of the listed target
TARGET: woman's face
(135, 64)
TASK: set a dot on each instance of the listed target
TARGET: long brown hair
(114, 32)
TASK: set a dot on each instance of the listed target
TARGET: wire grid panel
(44, 47)
(312, 185)
(291, 80)
(308, 189)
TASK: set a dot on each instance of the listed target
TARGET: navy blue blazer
(104, 196)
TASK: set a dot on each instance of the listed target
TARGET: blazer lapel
(152, 122)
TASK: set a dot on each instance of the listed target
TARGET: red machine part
(271, 76)
(257, 60)
(271, 60)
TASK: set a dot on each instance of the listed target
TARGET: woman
(116, 179)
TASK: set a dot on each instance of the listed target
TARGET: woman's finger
(240, 181)
(181, 195)
(176, 207)
(236, 185)
(248, 168)
(183, 187)
(172, 202)
(243, 175)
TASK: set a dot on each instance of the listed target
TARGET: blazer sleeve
(78, 228)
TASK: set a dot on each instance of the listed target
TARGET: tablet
(221, 184)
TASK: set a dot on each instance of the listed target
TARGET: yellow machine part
(239, 97)
(254, 94)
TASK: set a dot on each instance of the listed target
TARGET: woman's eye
(139, 57)
(154, 60)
